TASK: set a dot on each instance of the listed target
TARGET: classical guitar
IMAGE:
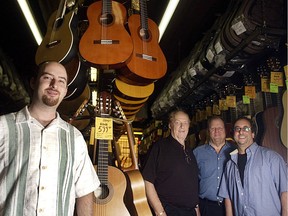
(60, 41)
(136, 200)
(106, 43)
(272, 118)
(147, 63)
(284, 130)
(108, 198)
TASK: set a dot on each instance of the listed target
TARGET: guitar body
(77, 78)
(271, 137)
(60, 42)
(284, 130)
(259, 126)
(106, 45)
(147, 62)
(113, 204)
(135, 197)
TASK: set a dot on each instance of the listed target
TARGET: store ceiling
(191, 20)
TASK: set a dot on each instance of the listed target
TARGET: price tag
(103, 128)
(265, 84)
(246, 99)
(250, 91)
(239, 28)
(223, 105)
(277, 78)
(231, 101)
(274, 88)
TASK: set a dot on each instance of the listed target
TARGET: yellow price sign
(103, 128)
(277, 78)
(231, 101)
(250, 91)
(265, 84)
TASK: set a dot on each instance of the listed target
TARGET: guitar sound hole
(102, 192)
(106, 19)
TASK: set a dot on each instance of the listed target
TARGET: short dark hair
(251, 122)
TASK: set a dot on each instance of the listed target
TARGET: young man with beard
(171, 173)
(45, 168)
(255, 179)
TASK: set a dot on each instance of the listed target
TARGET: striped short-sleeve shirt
(42, 169)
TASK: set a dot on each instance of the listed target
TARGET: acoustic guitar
(60, 41)
(136, 200)
(106, 43)
(147, 63)
(272, 117)
(108, 198)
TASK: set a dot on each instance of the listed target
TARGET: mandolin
(147, 63)
(60, 41)
(106, 43)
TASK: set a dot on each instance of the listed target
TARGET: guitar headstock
(103, 106)
(118, 109)
(79, 111)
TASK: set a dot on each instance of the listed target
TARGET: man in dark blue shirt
(211, 159)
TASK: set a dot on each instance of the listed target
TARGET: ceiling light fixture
(26, 10)
(167, 16)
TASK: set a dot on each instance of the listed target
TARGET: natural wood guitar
(147, 63)
(284, 130)
(108, 198)
(136, 200)
(106, 43)
(60, 41)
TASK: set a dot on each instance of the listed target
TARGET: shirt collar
(24, 116)
(250, 150)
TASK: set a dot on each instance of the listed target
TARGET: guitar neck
(102, 166)
(144, 15)
(106, 7)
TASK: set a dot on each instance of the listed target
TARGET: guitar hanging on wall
(60, 41)
(108, 198)
(147, 62)
(106, 43)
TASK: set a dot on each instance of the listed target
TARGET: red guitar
(147, 62)
(106, 43)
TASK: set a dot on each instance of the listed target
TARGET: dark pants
(211, 208)
(172, 210)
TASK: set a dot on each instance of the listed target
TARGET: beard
(50, 101)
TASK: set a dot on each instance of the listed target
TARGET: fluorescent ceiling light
(167, 16)
(30, 20)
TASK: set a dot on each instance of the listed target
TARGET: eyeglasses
(187, 157)
(245, 129)
(220, 129)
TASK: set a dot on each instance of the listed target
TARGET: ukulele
(106, 43)
(147, 62)
(108, 198)
(60, 41)
(136, 200)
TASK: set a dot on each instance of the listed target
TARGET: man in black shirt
(171, 173)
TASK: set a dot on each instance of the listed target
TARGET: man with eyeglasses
(211, 159)
(171, 172)
(255, 179)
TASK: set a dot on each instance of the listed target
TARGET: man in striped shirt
(45, 168)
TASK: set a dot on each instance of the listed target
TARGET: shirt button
(241, 194)
(44, 167)
(42, 188)
(41, 210)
